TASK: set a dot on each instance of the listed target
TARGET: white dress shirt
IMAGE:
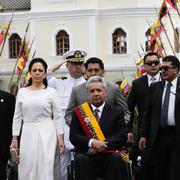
(99, 113)
(156, 78)
(171, 107)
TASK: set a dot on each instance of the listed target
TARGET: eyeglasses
(166, 68)
(150, 63)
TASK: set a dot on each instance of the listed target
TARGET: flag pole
(139, 54)
(6, 34)
(142, 48)
(31, 57)
(166, 34)
(19, 55)
(156, 39)
(168, 39)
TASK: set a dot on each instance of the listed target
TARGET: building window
(14, 45)
(176, 40)
(148, 38)
(62, 43)
(119, 41)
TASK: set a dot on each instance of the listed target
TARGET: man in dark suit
(95, 67)
(160, 131)
(140, 87)
(92, 152)
(7, 103)
(137, 99)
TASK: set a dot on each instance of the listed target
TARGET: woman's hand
(14, 151)
(61, 143)
(14, 144)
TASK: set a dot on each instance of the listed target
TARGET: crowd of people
(52, 116)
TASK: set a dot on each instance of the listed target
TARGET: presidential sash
(89, 122)
(92, 129)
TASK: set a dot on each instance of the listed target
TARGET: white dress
(39, 132)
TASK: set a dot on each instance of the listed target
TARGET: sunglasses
(166, 68)
(150, 63)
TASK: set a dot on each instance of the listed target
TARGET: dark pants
(3, 170)
(165, 155)
(112, 165)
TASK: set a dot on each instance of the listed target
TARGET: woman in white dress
(37, 106)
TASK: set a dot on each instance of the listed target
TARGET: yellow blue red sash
(89, 122)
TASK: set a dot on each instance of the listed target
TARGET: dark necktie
(96, 111)
(164, 112)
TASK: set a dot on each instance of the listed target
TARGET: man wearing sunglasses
(138, 95)
(160, 131)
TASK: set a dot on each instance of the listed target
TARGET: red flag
(172, 3)
(163, 11)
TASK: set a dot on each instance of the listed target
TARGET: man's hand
(142, 143)
(99, 146)
(92, 151)
(56, 66)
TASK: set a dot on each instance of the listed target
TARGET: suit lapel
(104, 115)
(158, 100)
(146, 81)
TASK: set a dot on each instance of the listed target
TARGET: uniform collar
(81, 79)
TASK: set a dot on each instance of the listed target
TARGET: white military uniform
(64, 88)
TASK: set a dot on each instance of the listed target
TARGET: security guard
(74, 60)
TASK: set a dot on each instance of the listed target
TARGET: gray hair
(93, 79)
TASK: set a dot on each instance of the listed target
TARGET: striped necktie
(96, 114)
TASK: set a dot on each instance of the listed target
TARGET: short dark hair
(173, 59)
(94, 60)
(150, 54)
(38, 60)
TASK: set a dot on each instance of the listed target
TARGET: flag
(155, 26)
(28, 76)
(6, 34)
(141, 62)
(140, 68)
(1, 38)
(3, 31)
(158, 31)
(125, 87)
(23, 57)
(172, 3)
(163, 10)
(158, 48)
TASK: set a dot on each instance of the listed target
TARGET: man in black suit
(92, 152)
(7, 103)
(138, 94)
(137, 99)
(160, 131)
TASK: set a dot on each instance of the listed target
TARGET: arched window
(62, 43)
(14, 45)
(176, 40)
(119, 41)
(148, 38)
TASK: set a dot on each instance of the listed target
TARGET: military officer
(74, 60)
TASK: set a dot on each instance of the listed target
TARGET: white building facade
(90, 25)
